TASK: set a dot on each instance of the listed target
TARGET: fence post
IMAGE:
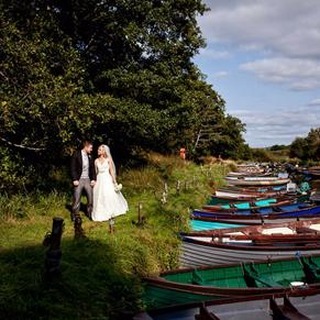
(178, 186)
(53, 254)
(78, 230)
(141, 219)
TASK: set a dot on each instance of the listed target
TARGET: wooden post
(141, 219)
(178, 186)
(111, 225)
(165, 187)
(139, 212)
(78, 230)
(53, 255)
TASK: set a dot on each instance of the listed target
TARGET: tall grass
(101, 274)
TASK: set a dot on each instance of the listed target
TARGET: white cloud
(315, 102)
(286, 27)
(280, 127)
(278, 41)
(214, 54)
(286, 33)
(299, 74)
(220, 74)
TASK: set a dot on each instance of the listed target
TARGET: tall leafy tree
(307, 148)
(120, 71)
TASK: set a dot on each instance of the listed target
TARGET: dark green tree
(313, 141)
(119, 72)
(307, 148)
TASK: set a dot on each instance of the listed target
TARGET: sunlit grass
(100, 275)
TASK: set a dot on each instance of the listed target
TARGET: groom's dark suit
(77, 167)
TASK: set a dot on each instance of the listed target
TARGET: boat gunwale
(229, 300)
(252, 248)
(245, 215)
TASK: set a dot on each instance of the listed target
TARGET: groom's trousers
(84, 185)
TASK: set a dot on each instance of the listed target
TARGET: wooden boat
(205, 314)
(312, 172)
(260, 189)
(315, 197)
(203, 224)
(215, 200)
(253, 243)
(249, 168)
(192, 285)
(249, 174)
(206, 224)
(279, 311)
(286, 311)
(255, 178)
(287, 211)
(257, 181)
(242, 195)
(259, 307)
(252, 205)
(268, 233)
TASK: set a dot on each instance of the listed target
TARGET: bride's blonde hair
(108, 153)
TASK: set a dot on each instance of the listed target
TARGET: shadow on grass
(90, 285)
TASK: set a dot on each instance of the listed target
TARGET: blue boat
(287, 211)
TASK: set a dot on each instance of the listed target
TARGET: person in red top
(182, 153)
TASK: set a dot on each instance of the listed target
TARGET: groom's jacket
(76, 167)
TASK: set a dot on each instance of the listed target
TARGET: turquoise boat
(202, 225)
(244, 204)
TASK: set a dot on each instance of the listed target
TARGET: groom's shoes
(89, 213)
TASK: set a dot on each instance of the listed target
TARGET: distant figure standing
(108, 201)
(83, 178)
(182, 153)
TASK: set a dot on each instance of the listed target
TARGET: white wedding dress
(107, 203)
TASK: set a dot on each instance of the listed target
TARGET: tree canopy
(307, 148)
(117, 71)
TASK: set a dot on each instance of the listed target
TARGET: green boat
(299, 276)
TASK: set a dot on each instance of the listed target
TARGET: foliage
(278, 147)
(262, 155)
(120, 72)
(230, 143)
(307, 149)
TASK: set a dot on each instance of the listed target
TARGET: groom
(83, 177)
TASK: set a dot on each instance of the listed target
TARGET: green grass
(101, 274)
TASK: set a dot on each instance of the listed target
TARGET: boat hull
(196, 253)
(288, 211)
(192, 285)
(256, 182)
(240, 309)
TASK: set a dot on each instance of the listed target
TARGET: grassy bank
(100, 274)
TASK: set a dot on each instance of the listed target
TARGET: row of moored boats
(255, 246)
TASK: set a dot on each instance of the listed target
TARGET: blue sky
(263, 58)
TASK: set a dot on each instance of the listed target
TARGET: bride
(108, 201)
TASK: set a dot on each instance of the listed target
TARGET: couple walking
(98, 179)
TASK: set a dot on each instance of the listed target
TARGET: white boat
(256, 181)
(238, 245)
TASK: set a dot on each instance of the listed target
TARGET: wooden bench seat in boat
(285, 311)
(310, 269)
(253, 279)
